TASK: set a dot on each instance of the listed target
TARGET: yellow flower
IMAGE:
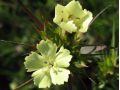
(72, 17)
(48, 65)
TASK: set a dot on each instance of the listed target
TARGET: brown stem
(69, 86)
(38, 23)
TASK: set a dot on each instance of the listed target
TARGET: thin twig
(22, 85)
(92, 54)
(96, 45)
(93, 81)
(7, 4)
(13, 42)
(99, 14)
(38, 23)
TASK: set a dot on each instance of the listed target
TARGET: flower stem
(23, 84)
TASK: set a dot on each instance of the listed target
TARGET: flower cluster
(49, 66)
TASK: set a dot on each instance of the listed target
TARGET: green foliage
(108, 66)
(88, 72)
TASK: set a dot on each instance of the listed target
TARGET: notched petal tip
(60, 76)
(42, 78)
(33, 62)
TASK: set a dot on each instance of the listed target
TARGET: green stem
(23, 84)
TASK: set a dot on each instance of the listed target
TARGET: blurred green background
(18, 30)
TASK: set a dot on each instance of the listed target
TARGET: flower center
(48, 62)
